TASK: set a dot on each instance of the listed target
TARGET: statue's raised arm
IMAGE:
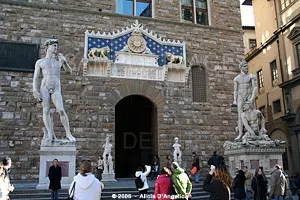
(64, 62)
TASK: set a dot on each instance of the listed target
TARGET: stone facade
(90, 101)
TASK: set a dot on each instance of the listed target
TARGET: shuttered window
(199, 84)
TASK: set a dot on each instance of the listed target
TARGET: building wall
(90, 101)
(282, 49)
(265, 25)
(289, 56)
(290, 12)
(248, 34)
(164, 9)
(295, 98)
(270, 93)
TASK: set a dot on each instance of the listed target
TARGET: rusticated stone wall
(90, 101)
(224, 14)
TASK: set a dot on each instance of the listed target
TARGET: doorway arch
(135, 134)
(280, 135)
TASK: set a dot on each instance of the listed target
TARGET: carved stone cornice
(254, 150)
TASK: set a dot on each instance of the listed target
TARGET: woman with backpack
(163, 185)
(141, 181)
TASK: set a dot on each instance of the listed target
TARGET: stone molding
(136, 87)
(260, 150)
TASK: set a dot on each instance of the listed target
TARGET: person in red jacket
(163, 185)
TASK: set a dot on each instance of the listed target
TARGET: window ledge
(286, 8)
(296, 72)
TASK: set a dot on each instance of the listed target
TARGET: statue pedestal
(108, 177)
(254, 157)
(65, 152)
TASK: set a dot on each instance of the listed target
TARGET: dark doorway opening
(136, 128)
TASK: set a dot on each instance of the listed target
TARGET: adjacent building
(275, 61)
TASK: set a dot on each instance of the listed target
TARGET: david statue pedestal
(252, 147)
(50, 90)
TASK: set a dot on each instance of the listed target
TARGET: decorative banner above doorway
(136, 53)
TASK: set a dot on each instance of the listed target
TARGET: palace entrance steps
(124, 186)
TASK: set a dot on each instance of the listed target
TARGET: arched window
(199, 83)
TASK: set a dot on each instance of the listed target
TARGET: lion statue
(99, 52)
(174, 59)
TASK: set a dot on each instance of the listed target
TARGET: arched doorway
(135, 134)
(280, 135)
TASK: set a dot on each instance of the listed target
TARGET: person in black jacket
(216, 160)
(239, 186)
(259, 185)
(218, 183)
(55, 178)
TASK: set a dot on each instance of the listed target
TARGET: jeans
(99, 174)
(54, 194)
(278, 197)
(197, 177)
(155, 174)
(247, 194)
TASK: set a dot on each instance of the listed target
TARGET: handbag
(229, 193)
(194, 170)
(72, 193)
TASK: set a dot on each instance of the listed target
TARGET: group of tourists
(246, 185)
(172, 183)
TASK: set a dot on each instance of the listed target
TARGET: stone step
(105, 194)
(28, 191)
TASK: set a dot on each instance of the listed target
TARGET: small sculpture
(50, 89)
(105, 171)
(174, 59)
(245, 88)
(177, 153)
(107, 146)
(108, 163)
(99, 53)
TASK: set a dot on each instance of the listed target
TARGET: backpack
(173, 189)
(138, 182)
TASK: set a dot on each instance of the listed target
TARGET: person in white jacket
(87, 186)
(140, 172)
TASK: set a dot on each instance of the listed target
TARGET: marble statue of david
(50, 88)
